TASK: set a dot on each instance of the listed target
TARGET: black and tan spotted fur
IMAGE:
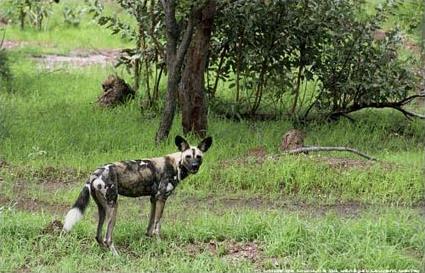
(155, 177)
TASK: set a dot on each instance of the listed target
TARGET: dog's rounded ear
(205, 144)
(181, 143)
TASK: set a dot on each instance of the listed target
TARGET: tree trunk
(175, 56)
(192, 86)
(22, 15)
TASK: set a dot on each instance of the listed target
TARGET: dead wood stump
(115, 91)
(293, 139)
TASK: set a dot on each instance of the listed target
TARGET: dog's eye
(188, 157)
(198, 157)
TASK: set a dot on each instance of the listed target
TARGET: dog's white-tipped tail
(71, 218)
(77, 211)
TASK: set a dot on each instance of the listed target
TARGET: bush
(358, 70)
(5, 74)
(72, 17)
(33, 11)
(305, 54)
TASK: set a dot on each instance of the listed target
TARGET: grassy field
(249, 208)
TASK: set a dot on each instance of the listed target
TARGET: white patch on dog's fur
(98, 181)
(106, 171)
(72, 217)
(170, 187)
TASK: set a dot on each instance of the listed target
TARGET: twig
(326, 149)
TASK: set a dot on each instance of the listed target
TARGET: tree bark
(192, 86)
(175, 54)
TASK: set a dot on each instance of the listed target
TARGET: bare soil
(9, 44)
(33, 205)
(220, 205)
(78, 58)
(228, 249)
(53, 227)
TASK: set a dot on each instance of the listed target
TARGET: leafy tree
(357, 71)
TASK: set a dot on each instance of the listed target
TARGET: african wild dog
(155, 177)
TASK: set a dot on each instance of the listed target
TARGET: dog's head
(191, 156)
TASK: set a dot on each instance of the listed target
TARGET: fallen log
(327, 149)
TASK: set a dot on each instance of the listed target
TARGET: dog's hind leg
(111, 213)
(102, 214)
(101, 203)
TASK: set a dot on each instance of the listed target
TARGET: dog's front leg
(159, 208)
(149, 231)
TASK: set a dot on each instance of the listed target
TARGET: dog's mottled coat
(155, 177)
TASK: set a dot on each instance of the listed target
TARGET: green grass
(300, 211)
(56, 37)
(393, 239)
(53, 121)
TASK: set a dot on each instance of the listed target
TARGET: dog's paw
(101, 243)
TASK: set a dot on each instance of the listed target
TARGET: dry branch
(318, 149)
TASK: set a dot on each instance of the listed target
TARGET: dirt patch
(259, 152)
(221, 205)
(78, 58)
(49, 178)
(345, 163)
(239, 251)
(348, 163)
(52, 178)
(14, 44)
(228, 249)
(33, 205)
(53, 227)
(10, 44)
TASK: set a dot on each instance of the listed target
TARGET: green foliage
(35, 12)
(356, 69)
(72, 16)
(319, 53)
(5, 74)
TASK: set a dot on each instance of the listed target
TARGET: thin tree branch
(409, 99)
(394, 105)
(184, 44)
(409, 114)
(327, 149)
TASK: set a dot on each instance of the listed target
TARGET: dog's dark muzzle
(194, 167)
